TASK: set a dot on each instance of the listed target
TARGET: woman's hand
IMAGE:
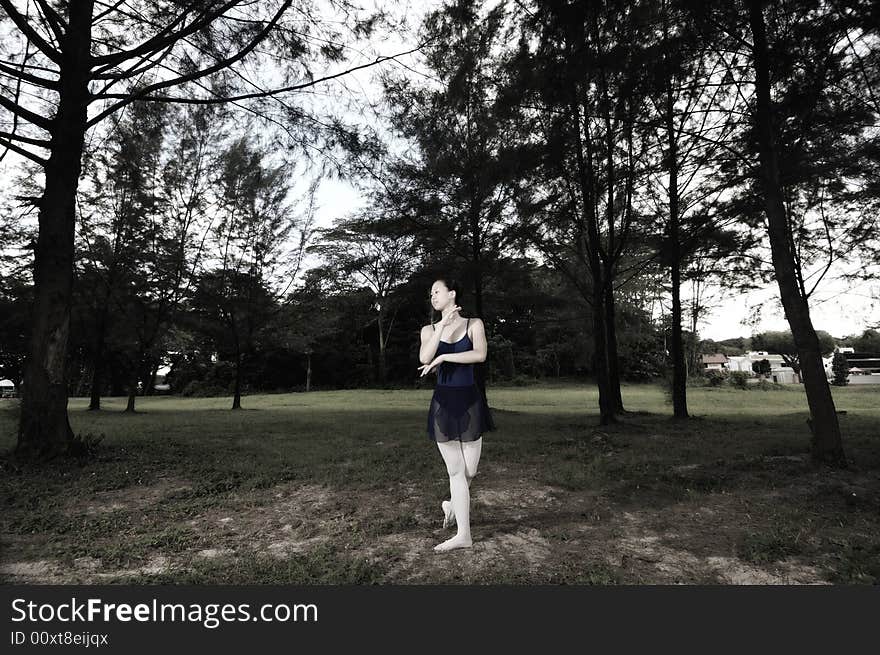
(450, 318)
(427, 368)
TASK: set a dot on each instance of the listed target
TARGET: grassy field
(344, 487)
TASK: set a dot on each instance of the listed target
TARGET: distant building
(714, 362)
(864, 368)
(780, 372)
(7, 389)
(161, 379)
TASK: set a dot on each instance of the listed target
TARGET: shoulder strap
(467, 326)
(433, 327)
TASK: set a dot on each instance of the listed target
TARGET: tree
(16, 292)
(579, 81)
(71, 59)
(840, 370)
(117, 209)
(784, 344)
(454, 185)
(375, 256)
(252, 267)
(762, 367)
(803, 166)
(868, 342)
(693, 115)
(173, 247)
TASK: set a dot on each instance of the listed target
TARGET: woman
(458, 414)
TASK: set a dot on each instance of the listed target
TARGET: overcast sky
(837, 307)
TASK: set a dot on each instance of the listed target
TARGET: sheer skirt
(458, 413)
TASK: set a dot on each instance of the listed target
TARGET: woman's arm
(430, 341)
(478, 354)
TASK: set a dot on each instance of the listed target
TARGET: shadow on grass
(646, 461)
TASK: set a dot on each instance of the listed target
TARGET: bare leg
(453, 457)
(471, 452)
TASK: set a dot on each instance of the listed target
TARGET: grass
(344, 487)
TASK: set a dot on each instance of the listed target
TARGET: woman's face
(441, 296)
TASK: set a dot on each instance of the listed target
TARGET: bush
(206, 389)
(840, 368)
(715, 378)
(739, 379)
(766, 385)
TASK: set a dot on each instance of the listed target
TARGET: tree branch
(166, 36)
(53, 18)
(220, 65)
(21, 151)
(245, 96)
(29, 32)
(42, 143)
(27, 77)
(26, 114)
(54, 29)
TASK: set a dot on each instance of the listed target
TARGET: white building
(780, 372)
(715, 362)
(7, 389)
(864, 368)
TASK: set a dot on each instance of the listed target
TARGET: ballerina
(458, 414)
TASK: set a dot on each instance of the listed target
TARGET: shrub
(739, 379)
(715, 378)
(206, 389)
(840, 369)
(766, 385)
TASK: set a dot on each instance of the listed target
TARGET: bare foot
(451, 544)
(448, 514)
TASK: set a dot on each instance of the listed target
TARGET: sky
(837, 307)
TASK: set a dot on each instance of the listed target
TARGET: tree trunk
(132, 394)
(476, 252)
(236, 398)
(97, 382)
(371, 365)
(590, 225)
(133, 383)
(607, 415)
(308, 371)
(613, 362)
(44, 429)
(98, 363)
(826, 440)
(679, 372)
(152, 374)
(382, 372)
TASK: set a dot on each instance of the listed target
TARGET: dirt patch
(155, 565)
(514, 500)
(527, 547)
(651, 554)
(130, 498)
(36, 572)
(734, 571)
(522, 530)
(296, 518)
(85, 571)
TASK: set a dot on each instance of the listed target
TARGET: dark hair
(453, 285)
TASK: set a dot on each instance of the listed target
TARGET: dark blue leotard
(458, 410)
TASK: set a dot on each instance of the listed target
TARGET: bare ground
(524, 532)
